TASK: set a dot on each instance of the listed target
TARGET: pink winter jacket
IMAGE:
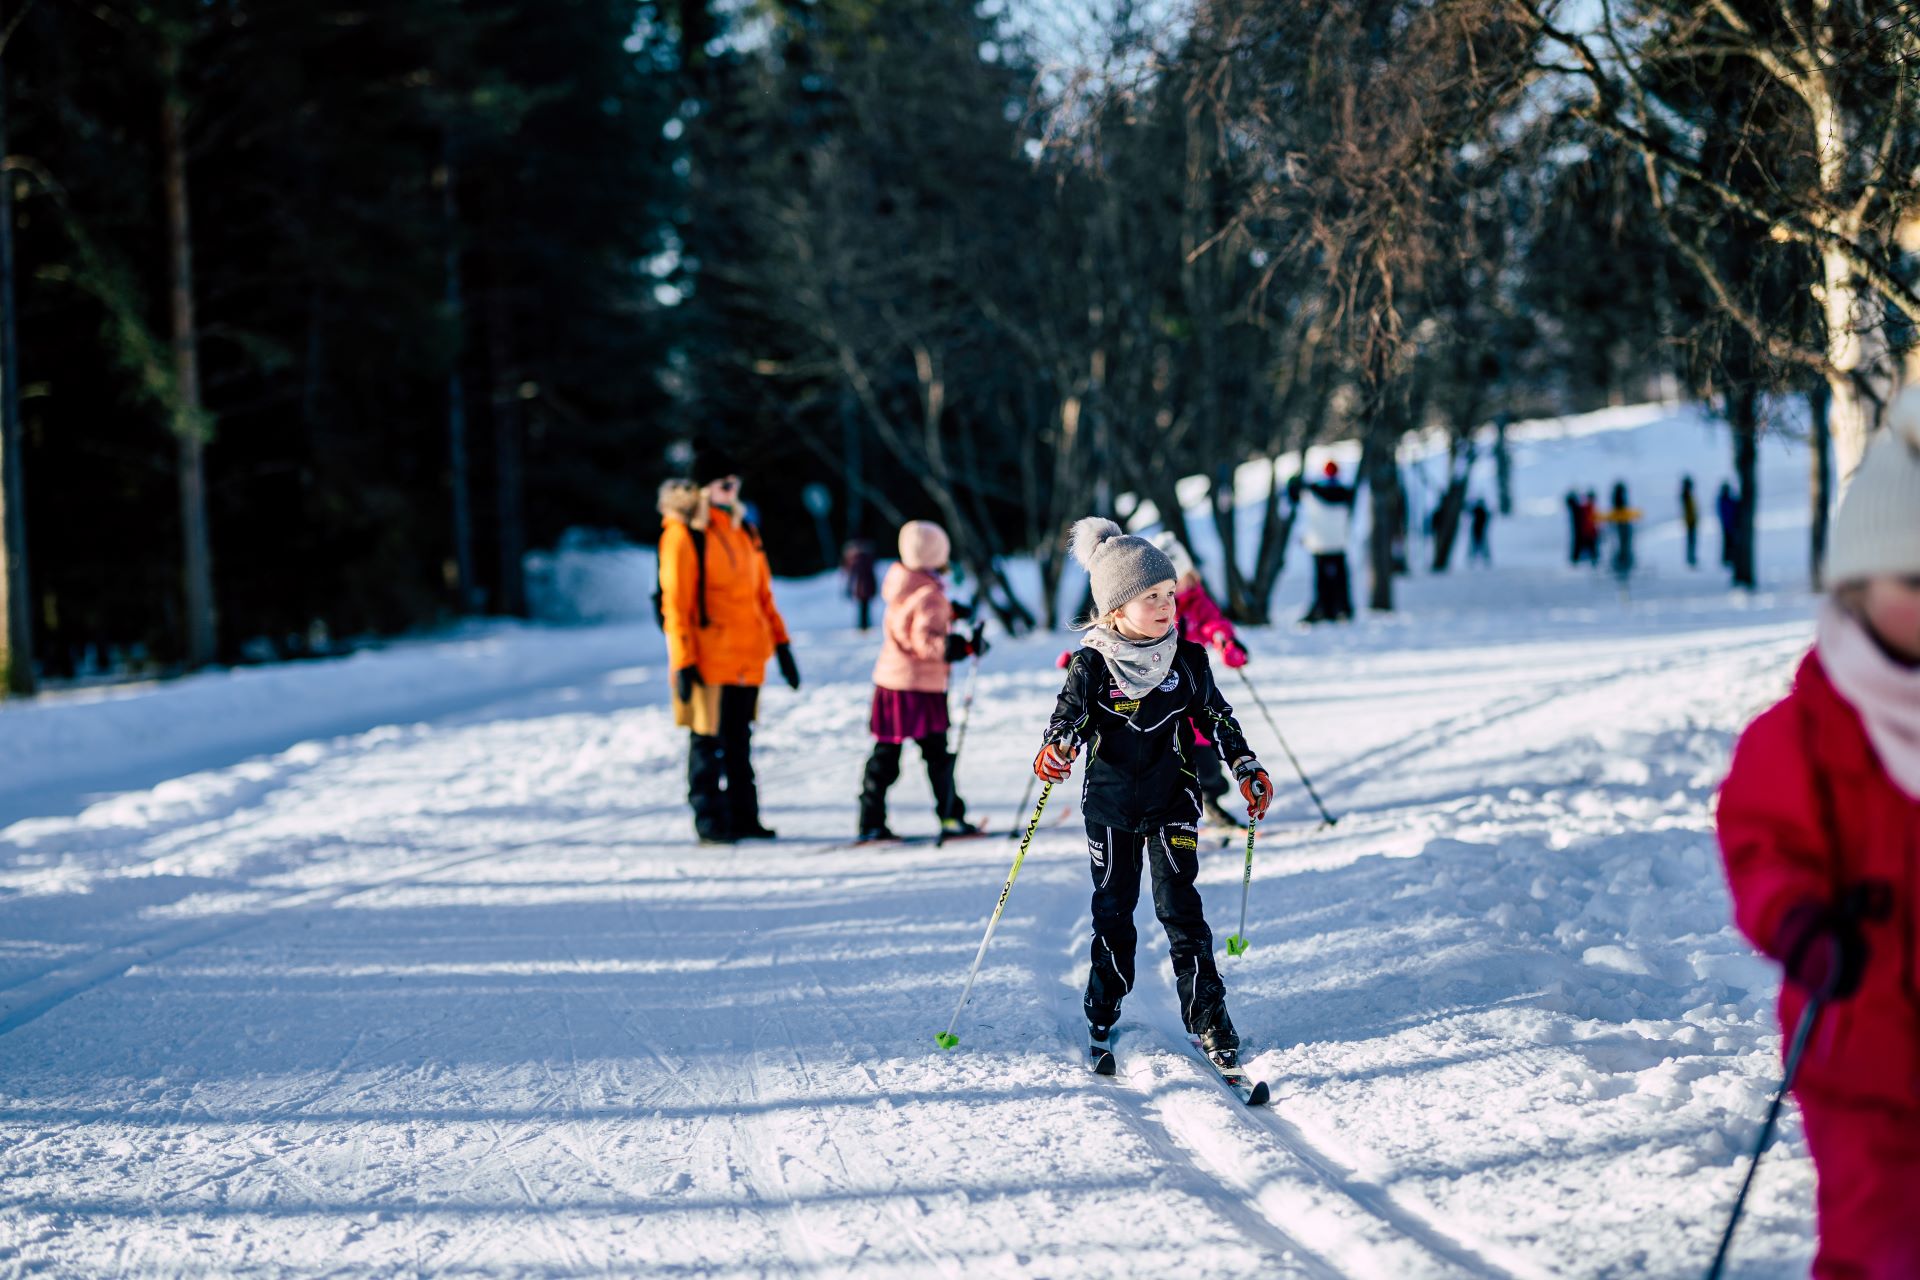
(1200, 618)
(914, 657)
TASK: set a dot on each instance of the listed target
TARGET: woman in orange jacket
(716, 601)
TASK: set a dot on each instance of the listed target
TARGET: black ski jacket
(1138, 769)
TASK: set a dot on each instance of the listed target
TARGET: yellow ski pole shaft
(1237, 944)
(947, 1039)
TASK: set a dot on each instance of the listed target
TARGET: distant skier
(1202, 623)
(717, 608)
(1726, 507)
(1328, 507)
(1690, 517)
(1133, 691)
(1818, 821)
(1621, 515)
(910, 682)
(1479, 520)
(856, 566)
(1574, 543)
(1590, 529)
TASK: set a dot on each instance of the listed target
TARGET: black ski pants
(1172, 857)
(725, 757)
(883, 770)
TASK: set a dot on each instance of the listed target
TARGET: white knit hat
(1877, 529)
(1182, 562)
(924, 546)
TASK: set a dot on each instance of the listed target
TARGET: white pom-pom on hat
(1087, 536)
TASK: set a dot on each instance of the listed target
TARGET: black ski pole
(966, 716)
(1260, 702)
(1801, 1034)
(1022, 808)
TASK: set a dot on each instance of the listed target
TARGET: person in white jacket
(1327, 505)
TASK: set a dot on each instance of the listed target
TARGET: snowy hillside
(408, 963)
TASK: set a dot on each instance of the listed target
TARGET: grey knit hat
(1123, 567)
(1877, 529)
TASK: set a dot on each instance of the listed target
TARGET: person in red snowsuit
(1201, 621)
(1819, 826)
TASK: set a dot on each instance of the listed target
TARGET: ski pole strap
(946, 1039)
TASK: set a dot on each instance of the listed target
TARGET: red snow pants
(1867, 1162)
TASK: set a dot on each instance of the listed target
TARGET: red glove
(1065, 658)
(1055, 762)
(1232, 654)
(1255, 787)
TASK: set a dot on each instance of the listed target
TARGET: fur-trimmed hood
(682, 501)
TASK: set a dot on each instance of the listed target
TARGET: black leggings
(1172, 855)
(883, 770)
(727, 755)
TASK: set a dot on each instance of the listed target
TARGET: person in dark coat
(1327, 505)
(1574, 543)
(1727, 508)
(1479, 519)
(1690, 516)
(856, 566)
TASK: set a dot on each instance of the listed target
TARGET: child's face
(1147, 617)
(1892, 608)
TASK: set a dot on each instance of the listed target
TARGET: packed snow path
(408, 964)
(462, 997)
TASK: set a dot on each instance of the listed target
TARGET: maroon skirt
(900, 715)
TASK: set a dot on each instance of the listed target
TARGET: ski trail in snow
(22, 1003)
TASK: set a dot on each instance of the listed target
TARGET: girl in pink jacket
(910, 681)
(1202, 622)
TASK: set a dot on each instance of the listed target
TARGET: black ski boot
(875, 835)
(1221, 1043)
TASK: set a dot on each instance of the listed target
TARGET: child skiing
(1201, 621)
(1133, 693)
(910, 681)
(1818, 821)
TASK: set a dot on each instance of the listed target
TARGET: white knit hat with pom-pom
(1121, 565)
(1877, 529)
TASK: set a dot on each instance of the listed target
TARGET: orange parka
(732, 641)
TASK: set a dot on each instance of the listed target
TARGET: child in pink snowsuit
(1202, 622)
(1819, 824)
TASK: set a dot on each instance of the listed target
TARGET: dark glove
(789, 669)
(1256, 788)
(1822, 949)
(964, 609)
(960, 647)
(683, 681)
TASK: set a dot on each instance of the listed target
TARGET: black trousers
(725, 757)
(1172, 857)
(1693, 545)
(883, 770)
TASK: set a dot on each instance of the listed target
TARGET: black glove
(789, 669)
(1823, 950)
(963, 609)
(683, 681)
(957, 648)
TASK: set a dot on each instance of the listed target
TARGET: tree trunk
(1821, 489)
(466, 592)
(509, 449)
(1453, 499)
(1743, 413)
(17, 674)
(190, 426)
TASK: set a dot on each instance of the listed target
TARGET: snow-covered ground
(407, 963)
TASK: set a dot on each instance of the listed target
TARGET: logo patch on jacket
(1127, 708)
(1171, 683)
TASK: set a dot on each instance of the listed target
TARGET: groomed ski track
(464, 998)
